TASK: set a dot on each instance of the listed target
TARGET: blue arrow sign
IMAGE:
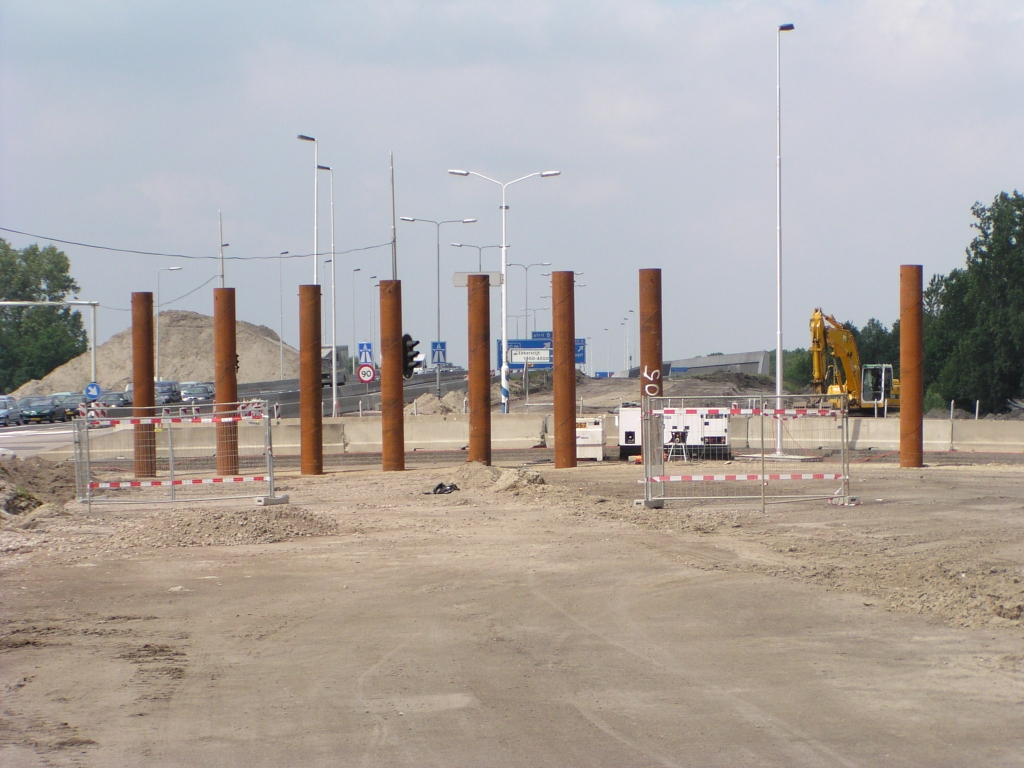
(438, 352)
(540, 342)
(93, 391)
(366, 352)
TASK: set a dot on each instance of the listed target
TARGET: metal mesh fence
(763, 449)
(228, 454)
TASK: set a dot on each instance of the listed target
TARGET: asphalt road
(30, 439)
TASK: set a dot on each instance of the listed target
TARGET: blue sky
(131, 124)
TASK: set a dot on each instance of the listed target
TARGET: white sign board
(531, 356)
(461, 279)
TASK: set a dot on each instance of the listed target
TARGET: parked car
(167, 392)
(115, 400)
(70, 403)
(42, 409)
(10, 413)
(198, 394)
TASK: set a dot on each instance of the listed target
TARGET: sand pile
(42, 480)
(477, 476)
(186, 354)
(429, 404)
(515, 480)
(203, 527)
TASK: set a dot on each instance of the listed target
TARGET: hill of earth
(186, 354)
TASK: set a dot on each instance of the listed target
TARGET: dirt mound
(515, 480)
(203, 527)
(429, 404)
(475, 475)
(41, 480)
(186, 354)
(735, 382)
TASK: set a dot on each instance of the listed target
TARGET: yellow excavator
(867, 387)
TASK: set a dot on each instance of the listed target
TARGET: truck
(836, 370)
(343, 365)
(699, 435)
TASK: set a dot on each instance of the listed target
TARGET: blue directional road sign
(93, 391)
(366, 352)
(540, 341)
(438, 352)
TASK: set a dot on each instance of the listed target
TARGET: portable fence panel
(767, 449)
(185, 450)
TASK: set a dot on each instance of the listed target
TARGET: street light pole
(334, 304)
(479, 253)
(372, 324)
(437, 225)
(352, 350)
(280, 301)
(163, 269)
(526, 286)
(316, 178)
(778, 230)
(504, 270)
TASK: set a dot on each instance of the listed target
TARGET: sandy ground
(517, 623)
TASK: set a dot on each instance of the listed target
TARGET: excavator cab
(878, 388)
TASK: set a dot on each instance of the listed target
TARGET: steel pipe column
(650, 334)
(479, 369)
(564, 365)
(392, 392)
(311, 399)
(225, 379)
(143, 395)
(911, 366)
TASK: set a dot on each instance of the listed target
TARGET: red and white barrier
(163, 483)
(723, 478)
(104, 422)
(748, 411)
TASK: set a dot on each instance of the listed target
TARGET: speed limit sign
(366, 373)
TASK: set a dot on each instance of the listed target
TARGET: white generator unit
(590, 439)
(700, 435)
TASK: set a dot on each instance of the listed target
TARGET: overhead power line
(188, 256)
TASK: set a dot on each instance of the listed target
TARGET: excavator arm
(829, 336)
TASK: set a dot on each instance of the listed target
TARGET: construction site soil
(532, 617)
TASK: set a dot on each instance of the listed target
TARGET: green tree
(35, 340)
(974, 319)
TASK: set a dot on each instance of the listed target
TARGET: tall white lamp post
(352, 350)
(778, 230)
(316, 177)
(164, 269)
(479, 253)
(504, 270)
(437, 225)
(334, 303)
(280, 306)
(526, 287)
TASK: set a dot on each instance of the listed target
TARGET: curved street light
(437, 225)
(526, 286)
(479, 252)
(504, 269)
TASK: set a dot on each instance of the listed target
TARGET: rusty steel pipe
(564, 367)
(479, 287)
(225, 378)
(911, 366)
(651, 364)
(392, 389)
(143, 392)
(311, 399)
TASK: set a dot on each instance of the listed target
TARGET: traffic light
(236, 364)
(409, 362)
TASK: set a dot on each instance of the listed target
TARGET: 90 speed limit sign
(366, 373)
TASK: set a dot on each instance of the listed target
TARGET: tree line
(35, 340)
(973, 321)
